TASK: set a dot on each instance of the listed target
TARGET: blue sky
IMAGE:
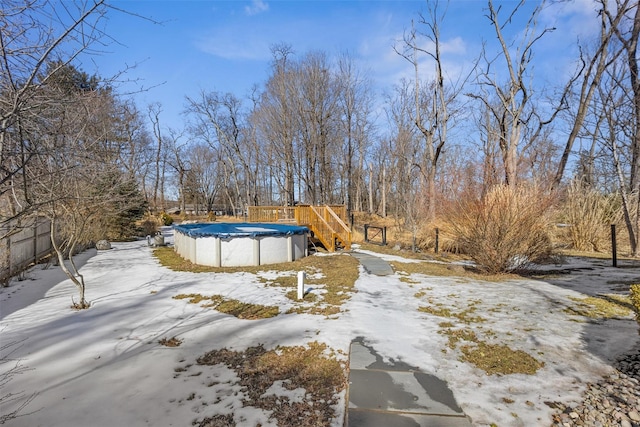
(188, 46)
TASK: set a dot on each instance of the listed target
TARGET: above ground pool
(240, 244)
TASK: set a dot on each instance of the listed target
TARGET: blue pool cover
(226, 230)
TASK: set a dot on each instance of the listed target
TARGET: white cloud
(575, 19)
(228, 44)
(256, 7)
(455, 45)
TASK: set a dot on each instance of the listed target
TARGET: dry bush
(149, 226)
(505, 230)
(589, 214)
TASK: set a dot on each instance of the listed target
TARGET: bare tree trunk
(154, 115)
(74, 276)
(592, 72)
(626, 205)
(384, 192)
(370, 189)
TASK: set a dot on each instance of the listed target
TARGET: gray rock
(103, 245)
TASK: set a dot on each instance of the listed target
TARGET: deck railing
(272, 214)
(326, 222)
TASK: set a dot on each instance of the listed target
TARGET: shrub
(505, 230)
(149, 227)
(166, 219)
(635, 299)
(588, 214)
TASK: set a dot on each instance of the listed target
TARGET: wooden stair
(323, 221)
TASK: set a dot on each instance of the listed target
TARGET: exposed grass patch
(457, 335)
(310, 368)
(498, 359)
(389, 250)
(606, 307)
(491, 358)
(405, 279)
(494, 359)
(170, 342)
(334, 274)
(236, 308)
(447, 270)
(308, 297)
(464, 316)
(426, 268)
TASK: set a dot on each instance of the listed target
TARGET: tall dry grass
(588, 214)
(504, 230)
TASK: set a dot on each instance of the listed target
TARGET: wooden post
(366, 230)
(614, 255)
(437, 239)
(384, 236)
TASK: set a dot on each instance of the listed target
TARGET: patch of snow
(107, 360)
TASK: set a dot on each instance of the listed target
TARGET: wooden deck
(328, 223)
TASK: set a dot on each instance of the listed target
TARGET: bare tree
(32, 37)
(76, 180)
(403, 152)
(275, 121)
(179, 162)
(434, 102)
(510, 102)
(219, 120)
(355, 103)
(159, 159)
(591, 68)
(619, 106)
(204, 173)
(316, 116)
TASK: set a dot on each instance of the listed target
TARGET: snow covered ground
(104, 366)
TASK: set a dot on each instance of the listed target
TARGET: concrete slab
(373, 264)
(401, 392)
(390, 393)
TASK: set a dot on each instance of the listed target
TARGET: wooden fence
(24, 244)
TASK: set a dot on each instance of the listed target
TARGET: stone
(633, 415)
(103, 245)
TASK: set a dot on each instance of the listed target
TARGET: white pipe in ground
(301, 276)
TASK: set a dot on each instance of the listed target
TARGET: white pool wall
(240, 251)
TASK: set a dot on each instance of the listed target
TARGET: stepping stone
(373, 264)
(396, 394)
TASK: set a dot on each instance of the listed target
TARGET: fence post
(437, 239)
(614, 255)
(5, 255)
(384, 236)
(35, 240)
(366, 230)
